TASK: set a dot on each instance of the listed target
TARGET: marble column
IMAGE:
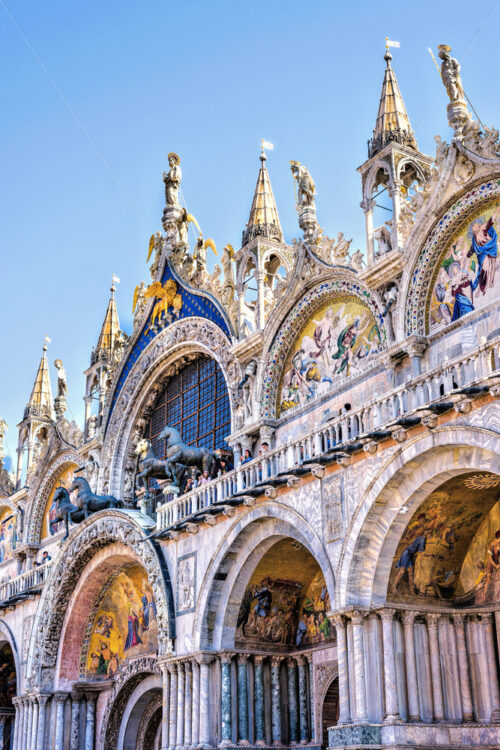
(180, 705)
(42, 720)
(293, 706)
(34, 725)
(260, 727)
(195, 719)
(18, 722)
(242, 699)
(29, 725)
(276, 700)
(357, 619)
(23, 740)
(188, 704)
(3, 720)
(303, 713)
(227, 730)
(344, 707)
(172, 718)
(487, 624)
(204, 661)
(60, 699)
(76, 703)
(432, 620)
(390, 684)
(411, 666)
(463, 667)
(165, 705)
(90, 721)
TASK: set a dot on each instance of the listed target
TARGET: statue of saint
(305, 184)
(62, 389)
(450, 74)
(172, 180)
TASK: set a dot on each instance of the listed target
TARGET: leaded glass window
(195, 402)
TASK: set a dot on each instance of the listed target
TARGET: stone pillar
(303, 714)
(60, 699)
(411, 666)
(260, 733)
(76, 703)
(432, 620)
(293, 706)
(486, 622)
(165, 706)
(463, 667)
(195, 719)
(17, 705)
(180, 704)
(29, 724)
(276, 700)
(204, 661)
(172, 719)
(344, 706)
(361, 714)
(3, 720)
(23, 740)
(90, 721)
(227, 729)
(42, 720)
(188, 704)
(34, 725)
(242, 700)
(390, 684)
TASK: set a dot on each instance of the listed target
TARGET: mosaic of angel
(124, 625)
(8, 535)
(333, 344)
(466, 277)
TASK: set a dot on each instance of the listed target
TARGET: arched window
(195, 402)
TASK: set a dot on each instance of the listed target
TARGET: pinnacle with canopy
(263, 220)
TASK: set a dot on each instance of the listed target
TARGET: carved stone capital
(408, 618)
(243, 659)
(338, 621)
(276, 660)
(464, 406)
(400, 435)
(343, 460)
(387, 615)
(205, 658)
(225, 657)
(318, 471)
(370, 447)
(430, 421)
(192, 528)
(271, 492)
(357, 617)
(458, 620)
(432, 620)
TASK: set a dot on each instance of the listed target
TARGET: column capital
(259, 658)
(276, 660)
(458, 619)
(42, 698)
(205, 658)
(408, 617)
(187, 665)
(180, 667)
(225, 657)
(90, 696)
(338, 621)
(432, 619)
(387, 615)
(59, 697)
(486, 618)
(291, 662)
(243, 658)
(301, 660)
(356, 616)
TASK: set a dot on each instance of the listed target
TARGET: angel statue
(305, 184)
(450, 74)
(139, 302)
(172, 180)
(227, 267)
(62, 389)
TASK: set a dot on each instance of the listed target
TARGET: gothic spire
(110, 328)
(392, 123)
(264, 220)
(40, 402)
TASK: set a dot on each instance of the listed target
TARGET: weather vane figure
(172, 180)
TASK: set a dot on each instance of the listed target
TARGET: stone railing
(23, 583)
(453, 384)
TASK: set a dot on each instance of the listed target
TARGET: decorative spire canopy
(40, 402)
(110, 330)
(264, 220)
(393, 123)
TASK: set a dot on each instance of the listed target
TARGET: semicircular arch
(406, 480)
(100, 530)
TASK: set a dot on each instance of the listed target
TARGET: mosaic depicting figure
(466, 275)
(8, 535)
(450, 549)
(122, 625)
(333, 344)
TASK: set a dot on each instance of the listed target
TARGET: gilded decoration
(453, 226)
(286, 601)
(346, 347)
(450, 550)
(122, 624)
(50, 524)
(331, 346)
(466, 274)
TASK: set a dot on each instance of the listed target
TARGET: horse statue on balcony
(149, 466)
(90, 503)
(65, 510)
(179, 456)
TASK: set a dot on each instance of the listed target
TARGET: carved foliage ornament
(107, 528)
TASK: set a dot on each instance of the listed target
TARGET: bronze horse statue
(65, 510)
(155, 468)
(88, 502)
(179, 455)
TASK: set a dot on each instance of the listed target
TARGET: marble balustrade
(432, 667)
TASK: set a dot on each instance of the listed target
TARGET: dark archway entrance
(330, 712)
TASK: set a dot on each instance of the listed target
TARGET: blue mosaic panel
(193, 305)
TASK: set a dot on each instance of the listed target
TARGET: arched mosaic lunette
(297, 318)
(421, 276)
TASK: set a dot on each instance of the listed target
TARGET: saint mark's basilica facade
(279, 524)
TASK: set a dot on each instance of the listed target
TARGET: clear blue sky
(207, 80)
